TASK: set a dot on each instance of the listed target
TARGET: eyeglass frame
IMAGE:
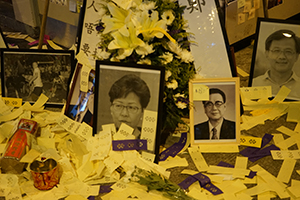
(211, 104)
(122, 107)
(282, 51)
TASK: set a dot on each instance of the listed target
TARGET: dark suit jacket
(201, 130)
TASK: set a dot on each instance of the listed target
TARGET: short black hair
(281, 34)
(216, 91)
(127, 84)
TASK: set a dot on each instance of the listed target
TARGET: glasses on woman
(130, 109)
(210, 104)
(287, 52)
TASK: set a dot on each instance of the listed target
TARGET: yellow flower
(167, 58)
(125, 44)
(144, 61)
(186, 56)
(181, 105)
(149, 25)
(102, 55)
(179, 95)
(144, 50)
(150, 5)
(174, 48)
(167, 75)
(118, 21)
(128, 3)
(172, 85)
(168, 17)
(183, 54)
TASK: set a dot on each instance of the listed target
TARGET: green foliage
(155, 181)
(181, 70)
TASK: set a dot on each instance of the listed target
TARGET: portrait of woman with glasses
(125, 93)
(216, 126)
(129, 96)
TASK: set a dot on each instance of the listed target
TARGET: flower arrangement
(150, 32)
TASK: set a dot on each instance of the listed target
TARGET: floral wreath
(151, 32)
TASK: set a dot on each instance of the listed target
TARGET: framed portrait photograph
(275, 59)
(215, 116)
(28, 73)
(3, 43)
(80, 103)
(130, 94)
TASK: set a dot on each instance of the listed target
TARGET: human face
(217, 108)
(127, 110)
(282, 55)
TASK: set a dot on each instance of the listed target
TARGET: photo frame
(216, 104)
(80, 104)
(270, 69)
(28, 73)
(123, 86)
(3, 43)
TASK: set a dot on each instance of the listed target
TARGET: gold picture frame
(212, 108)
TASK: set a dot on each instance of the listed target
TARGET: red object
(44, 174)
(16, 147)
(17, 144)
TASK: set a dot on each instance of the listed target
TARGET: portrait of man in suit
(216, 127)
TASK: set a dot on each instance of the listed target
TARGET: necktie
(214, 135)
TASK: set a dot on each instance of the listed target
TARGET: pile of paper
(85, 161)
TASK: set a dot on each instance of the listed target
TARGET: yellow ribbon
(161, 30)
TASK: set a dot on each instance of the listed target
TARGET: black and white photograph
(80, 104)
(124, 92)
(27, 74)
(215, 114)
(275, 60)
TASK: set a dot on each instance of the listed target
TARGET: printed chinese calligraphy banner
(89, 38)
(211, 53)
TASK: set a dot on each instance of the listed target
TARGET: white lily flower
(128, 3)
(120, 17)
(144, 61)
(179, 95)
(149, 5)
(172, 85)
(167, 75)
(186, 56)
(148, 25)
(174, 48)
(167, 58)
(181, 105)
(144, 50)
(125, 44)
(102, 55)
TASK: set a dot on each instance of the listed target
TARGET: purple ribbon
(204, 182)
(185, 184)
(124, 145)
(225, 164)
(174, 149)
(256, 153)
(251, 150)
(262, 153)
(105, 189)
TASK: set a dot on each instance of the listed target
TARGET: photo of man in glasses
(216, 127)
(281, 53)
